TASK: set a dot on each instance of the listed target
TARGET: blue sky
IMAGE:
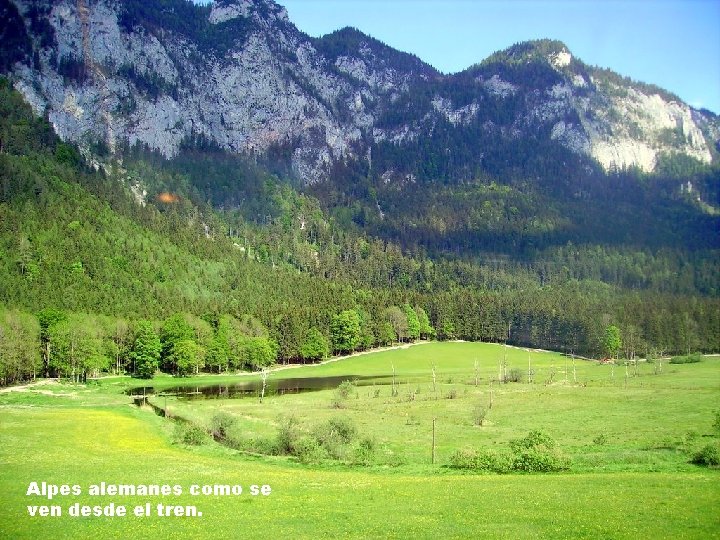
(674, 44)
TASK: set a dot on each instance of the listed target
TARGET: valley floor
(86, 435)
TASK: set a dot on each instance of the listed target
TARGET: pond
(253, 388)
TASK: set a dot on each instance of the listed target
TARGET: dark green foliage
(287, 435)
(687, 359)
(187, 19)
(534, 453)
(146, 349)
(345, 331)
(708, 455)
(335, 435)
(315, 346)
(272, 269)
(187, 433)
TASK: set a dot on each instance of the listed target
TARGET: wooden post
(574, 370)
(529, 369)
(394, 389)
(477, 372)
(433, 442)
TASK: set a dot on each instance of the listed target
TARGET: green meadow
(628, 442)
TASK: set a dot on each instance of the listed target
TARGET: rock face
(239, 75)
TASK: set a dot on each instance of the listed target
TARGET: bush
(335, 435)
(709, 455)
(363, 453)
(186, 433)
(514, 375)
(464, 458)
(485, 461)
(536, 453)
(533, 453)
(221, 423)
(538, 460)
(308, 450)
(688, 359)
(342, 393)
(287, 435)
(479, 414)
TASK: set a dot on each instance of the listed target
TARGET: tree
(345, 330)
(611, 341)
(47, 318)
(426, 329)
(78, 347)
(187, 357)
(398, 320)
(315, 346)
(174, 330)
(386, 333)
(412, 321)
(145, 353)
(19, 355)
(260, 352)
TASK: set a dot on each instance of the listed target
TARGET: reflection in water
(253, 388)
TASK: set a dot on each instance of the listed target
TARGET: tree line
(56, 343)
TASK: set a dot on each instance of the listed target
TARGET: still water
(253, 388)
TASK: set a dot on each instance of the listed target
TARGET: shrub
(536, 453)
(452, 394)
(221, 423)
(335, 435)
(514, 375)
(709, 455)
(465, 458)
(342, 393)
(534, 439)
(688, 359)
(479, 414)
(486, 461)
(538, 460)
(287, 435)
(186, 433)
(363, 453)
(308, 450)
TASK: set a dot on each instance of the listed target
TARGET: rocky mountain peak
(238, 74)
(225, 10)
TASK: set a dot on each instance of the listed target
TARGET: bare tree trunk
(264, 383)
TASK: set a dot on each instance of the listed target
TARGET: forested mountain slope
(162, 160)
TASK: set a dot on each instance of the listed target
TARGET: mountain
(237, 74)
(162, 158)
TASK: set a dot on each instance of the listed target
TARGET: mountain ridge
(241, 75)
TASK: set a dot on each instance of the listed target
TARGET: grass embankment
(78, 435)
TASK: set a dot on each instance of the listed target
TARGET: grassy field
(629, 447)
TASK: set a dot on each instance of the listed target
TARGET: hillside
(162, 159)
